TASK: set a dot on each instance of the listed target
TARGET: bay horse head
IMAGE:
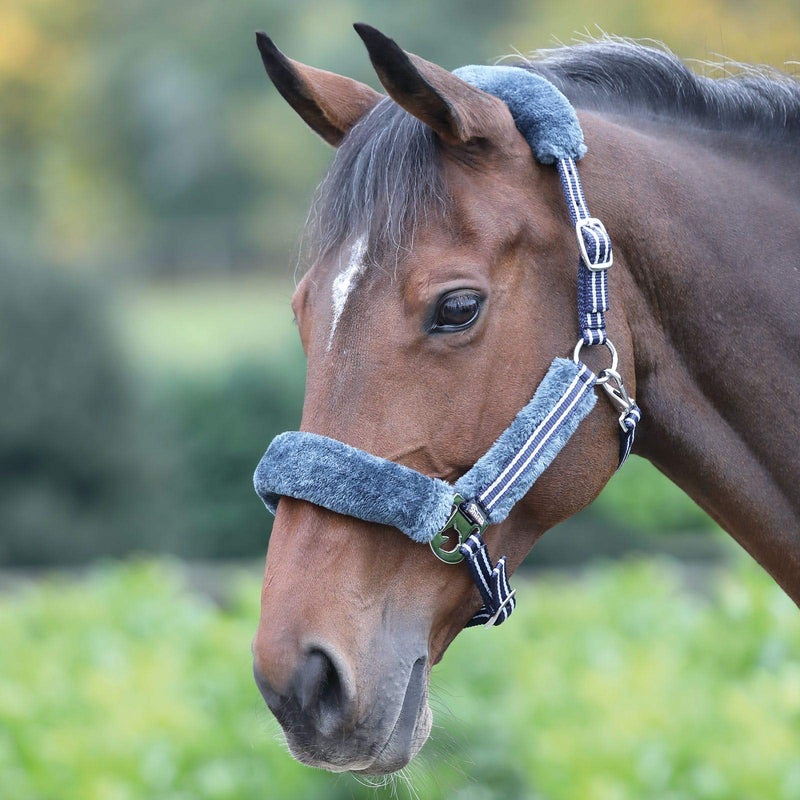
(441, 286)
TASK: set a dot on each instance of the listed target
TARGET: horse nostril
(319, 692)
(314, 678)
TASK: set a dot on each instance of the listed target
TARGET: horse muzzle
(330, 723)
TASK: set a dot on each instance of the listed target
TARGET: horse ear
(457, 111)
(329, 103)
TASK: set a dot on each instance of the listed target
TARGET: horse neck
(705, 234)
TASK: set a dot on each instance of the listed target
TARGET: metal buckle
(491, 621)
(600, 229)
(466, 518)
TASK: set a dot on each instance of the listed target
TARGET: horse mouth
(411, 729)
(356, 752)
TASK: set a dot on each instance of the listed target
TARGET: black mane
(623, 75)
(385, 177)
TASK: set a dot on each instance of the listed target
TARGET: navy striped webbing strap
(492, 583)
(515, 467)
(628, 422)
(492, 580)
(596, 257)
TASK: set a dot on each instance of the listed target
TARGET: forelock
(385, 180)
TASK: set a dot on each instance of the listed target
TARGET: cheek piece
(453, 518)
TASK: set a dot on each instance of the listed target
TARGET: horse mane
(385, 178)
(614, 73)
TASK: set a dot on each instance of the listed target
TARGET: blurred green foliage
(204, 326)
(640, 498)
(223, 424)
(96, 458)
(144, 137)
(618, 684)
(73, 470)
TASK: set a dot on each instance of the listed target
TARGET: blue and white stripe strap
(596, 257)
(628, 422)
(492, 583)
(515, 469)
(629, 413)
(514, 478)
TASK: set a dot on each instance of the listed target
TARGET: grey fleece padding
(350, 481)
(353, 482)
(560, 375)
(542, 114)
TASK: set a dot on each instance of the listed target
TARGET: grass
(126, 684)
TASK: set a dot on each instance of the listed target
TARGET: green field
(204, 324)
(126, 683)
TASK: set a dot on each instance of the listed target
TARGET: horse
(441, 283)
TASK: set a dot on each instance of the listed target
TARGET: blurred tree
(73, 480)
(145, 136)
(222, 426)
(765, 32)
(91, 463)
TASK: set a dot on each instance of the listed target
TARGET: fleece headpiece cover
(541, 113)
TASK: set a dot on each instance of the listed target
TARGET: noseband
(453, 518)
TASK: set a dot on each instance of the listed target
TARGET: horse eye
(457, 310)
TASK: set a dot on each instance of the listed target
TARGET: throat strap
(628, 422)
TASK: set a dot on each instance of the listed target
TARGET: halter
(453, 518)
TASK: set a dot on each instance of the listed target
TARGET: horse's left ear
(457, 111)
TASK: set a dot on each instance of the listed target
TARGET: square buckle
(595, 225)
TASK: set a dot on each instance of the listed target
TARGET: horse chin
(401, 746)
(409, 734)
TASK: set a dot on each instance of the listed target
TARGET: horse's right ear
(330, 104)
(456, 110)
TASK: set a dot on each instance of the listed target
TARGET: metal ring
(603, 376)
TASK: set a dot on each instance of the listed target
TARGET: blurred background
(153, 188)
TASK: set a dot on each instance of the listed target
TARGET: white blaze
(345, 281)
